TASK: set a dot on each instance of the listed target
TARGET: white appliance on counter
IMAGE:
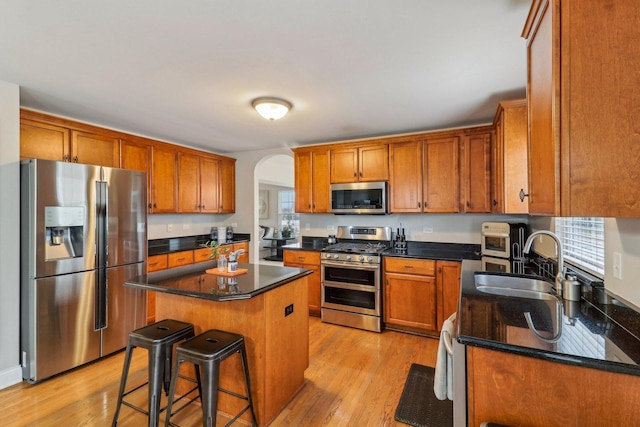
(503, 239)
(83, 234)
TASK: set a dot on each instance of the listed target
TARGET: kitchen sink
(519, 293)
(513, 285)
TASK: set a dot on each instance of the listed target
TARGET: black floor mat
(418, 404)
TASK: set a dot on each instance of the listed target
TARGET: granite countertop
(595, 333)
(194, 281)
(186, 243)
(424, 250)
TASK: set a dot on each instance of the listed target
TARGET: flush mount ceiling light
(271, 108)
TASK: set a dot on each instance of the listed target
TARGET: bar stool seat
(206, 351)
(158, 339)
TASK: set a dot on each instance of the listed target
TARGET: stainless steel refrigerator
(83, 234)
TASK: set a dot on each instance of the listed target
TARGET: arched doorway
(274, 173)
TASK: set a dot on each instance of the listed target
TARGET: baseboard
(10, 376)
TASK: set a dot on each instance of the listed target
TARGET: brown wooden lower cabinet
(419, 294)
(518, 390)
(311, 261)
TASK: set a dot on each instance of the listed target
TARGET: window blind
(583, 242)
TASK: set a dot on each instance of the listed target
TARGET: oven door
(351, 287)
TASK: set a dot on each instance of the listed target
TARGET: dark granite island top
(194, 281)
(268, 305)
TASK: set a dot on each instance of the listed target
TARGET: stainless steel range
(351, 277)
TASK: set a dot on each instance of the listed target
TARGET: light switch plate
(617, 265)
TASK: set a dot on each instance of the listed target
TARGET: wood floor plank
(355, 378)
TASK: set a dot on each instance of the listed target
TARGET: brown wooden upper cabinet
(164, 180)
(441, 174)
(583, 99)
(405, 176)
(312, 180)
(136, 155)
(475, 173)
(205, 184)
(227, 185)
(359, 164)
(42, 139)
(509, 161)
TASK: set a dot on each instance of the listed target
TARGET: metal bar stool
(206, 351)
(158, 339)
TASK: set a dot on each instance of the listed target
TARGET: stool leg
(167, 368)
(172, 390)
(245, 369)
(123, 381)
(209, 396)
(156, 379)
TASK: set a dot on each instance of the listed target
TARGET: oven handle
(448, 340)
(351, 265)
(350, 286)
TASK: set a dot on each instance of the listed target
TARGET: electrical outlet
(427, 230)
(288, 310)
(234, 224)
(169, 227)
(617, 265)
(186, 226)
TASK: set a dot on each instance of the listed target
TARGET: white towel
(443, 377)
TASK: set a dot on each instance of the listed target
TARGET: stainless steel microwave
(359, 198)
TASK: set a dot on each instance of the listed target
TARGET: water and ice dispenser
(64, 232)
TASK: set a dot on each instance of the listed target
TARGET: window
(286, 211)
(583, 242)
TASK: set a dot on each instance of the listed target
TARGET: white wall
(623, 236)
(10, 371)
(247, 186)
(453, 228)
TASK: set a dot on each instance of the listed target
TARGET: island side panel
(277, 345)
(245, 317)
(287, 344)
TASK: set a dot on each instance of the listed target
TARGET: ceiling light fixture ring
(271, 108)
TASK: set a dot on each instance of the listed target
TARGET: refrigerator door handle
(101, 253)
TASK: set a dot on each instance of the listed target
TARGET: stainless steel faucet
(560, 274)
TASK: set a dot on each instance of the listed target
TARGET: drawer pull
(408, 266)
(153, 264)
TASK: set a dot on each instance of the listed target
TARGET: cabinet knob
(495, 202)
(150, 206)
(75, 159)
(522, 195)
(468, 204)
(355, 174)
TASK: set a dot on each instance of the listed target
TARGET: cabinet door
(344, 165)
(476, 173)
(497, 165)
(373, 163)
(448, 279)
(544, 108)
(164, 180)
(188, 183)
(178, 259)
(311, 261)
(410, 301)
(405, 177)
(441, 177)
(209, 185)
(320, 202)
(94, 149)
(43, 141)
(227, 184)
(303, 181)
(137, 156)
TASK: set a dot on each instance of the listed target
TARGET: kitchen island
(581, 371)
(267, 305)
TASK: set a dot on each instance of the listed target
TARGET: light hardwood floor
(355, 378)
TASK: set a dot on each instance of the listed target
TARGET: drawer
(201, 255)
(423, 267)
(178, 259)
(301, 257)
(156, 262)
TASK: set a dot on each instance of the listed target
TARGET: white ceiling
(186, 71)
